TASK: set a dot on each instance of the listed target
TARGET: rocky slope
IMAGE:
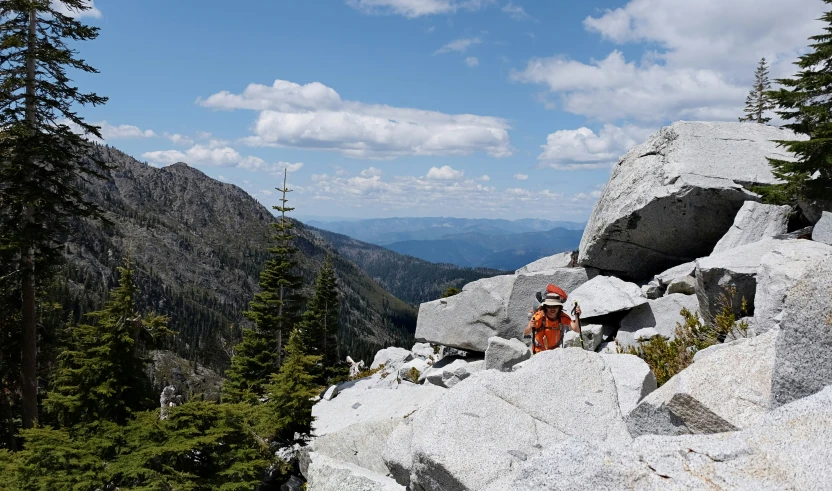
(199, 246)
(751, 412)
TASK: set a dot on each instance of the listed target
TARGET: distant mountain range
(477, 243)
(385, 231)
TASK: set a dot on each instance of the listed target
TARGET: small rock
(391, 358)
(330, 393)
(823, 229)
(502, 354)
(685, 285)
(646, 334)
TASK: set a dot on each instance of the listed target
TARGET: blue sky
(467, 108)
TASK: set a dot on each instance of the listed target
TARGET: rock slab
(823, 229)
(606, 294)
(662, 314)
(754, 222)
(725, 391)
(804, 348)
(670, 199)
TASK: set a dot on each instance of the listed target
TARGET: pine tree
(275, 312)
(291, 391)
(759, 100)
(319, 325)
(805, 101)
(101, 376)
(42, 161)
(251, 365)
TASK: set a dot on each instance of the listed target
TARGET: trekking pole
(578, 317)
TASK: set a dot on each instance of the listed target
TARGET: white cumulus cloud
(699, 62)
(370, 172)
(484, 178)
(521, 177)
(313, 116)
(214, 154)
(584, 149)
(179, 139)
(472, 61)
(446, 172)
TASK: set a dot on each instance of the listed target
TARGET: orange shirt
(548, 337)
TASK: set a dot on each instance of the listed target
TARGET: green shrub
(413, 374)
(666, 358)
(368, 373)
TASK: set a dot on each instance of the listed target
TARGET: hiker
(549, 324)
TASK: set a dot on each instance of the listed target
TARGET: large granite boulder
(366, 401)
(823, 229)
(487, 425)
(754, 222)
(502, 354)
(735, 268)
(361, 444)
(661, 314)
(561, 260)
(779, 271)
(606, 294)
(670, 199)
(804, 349)
(328, 474)
(727, 390)
(592, 334)
(787, 449)
(497, 306)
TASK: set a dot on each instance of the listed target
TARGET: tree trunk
(28, 366)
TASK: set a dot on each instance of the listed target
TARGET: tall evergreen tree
(274, 311)
(291, 391)
(806, 101)
(319, 325)
(101, 375)
(759, 101)
(42, 161)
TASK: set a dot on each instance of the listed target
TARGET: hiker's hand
(577, 311)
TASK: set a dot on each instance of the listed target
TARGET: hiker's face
(553, 312)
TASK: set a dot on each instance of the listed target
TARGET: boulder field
(677, 227)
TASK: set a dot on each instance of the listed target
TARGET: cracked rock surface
(488, 425)
(787, 449)
(670, 199)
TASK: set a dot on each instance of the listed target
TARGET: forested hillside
(199, 246)
(409, 278)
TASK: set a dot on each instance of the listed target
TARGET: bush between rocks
(667, 358)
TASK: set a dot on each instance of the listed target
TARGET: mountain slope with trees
(409, 278)
(199, 246)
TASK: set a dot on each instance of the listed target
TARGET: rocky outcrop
(662, 314)
(508, 416)
(367, 401)
(804, 347)
(672, 198)
(787, 449)
(360, 444)
(187, 379)
(327, 474)
(452, 370)
(593, 335)
(502, 354)
(754, 222)
(823, 229)
(725, 391)
(779, 271)
(497, 306)
(606, 294)
(391, 357)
